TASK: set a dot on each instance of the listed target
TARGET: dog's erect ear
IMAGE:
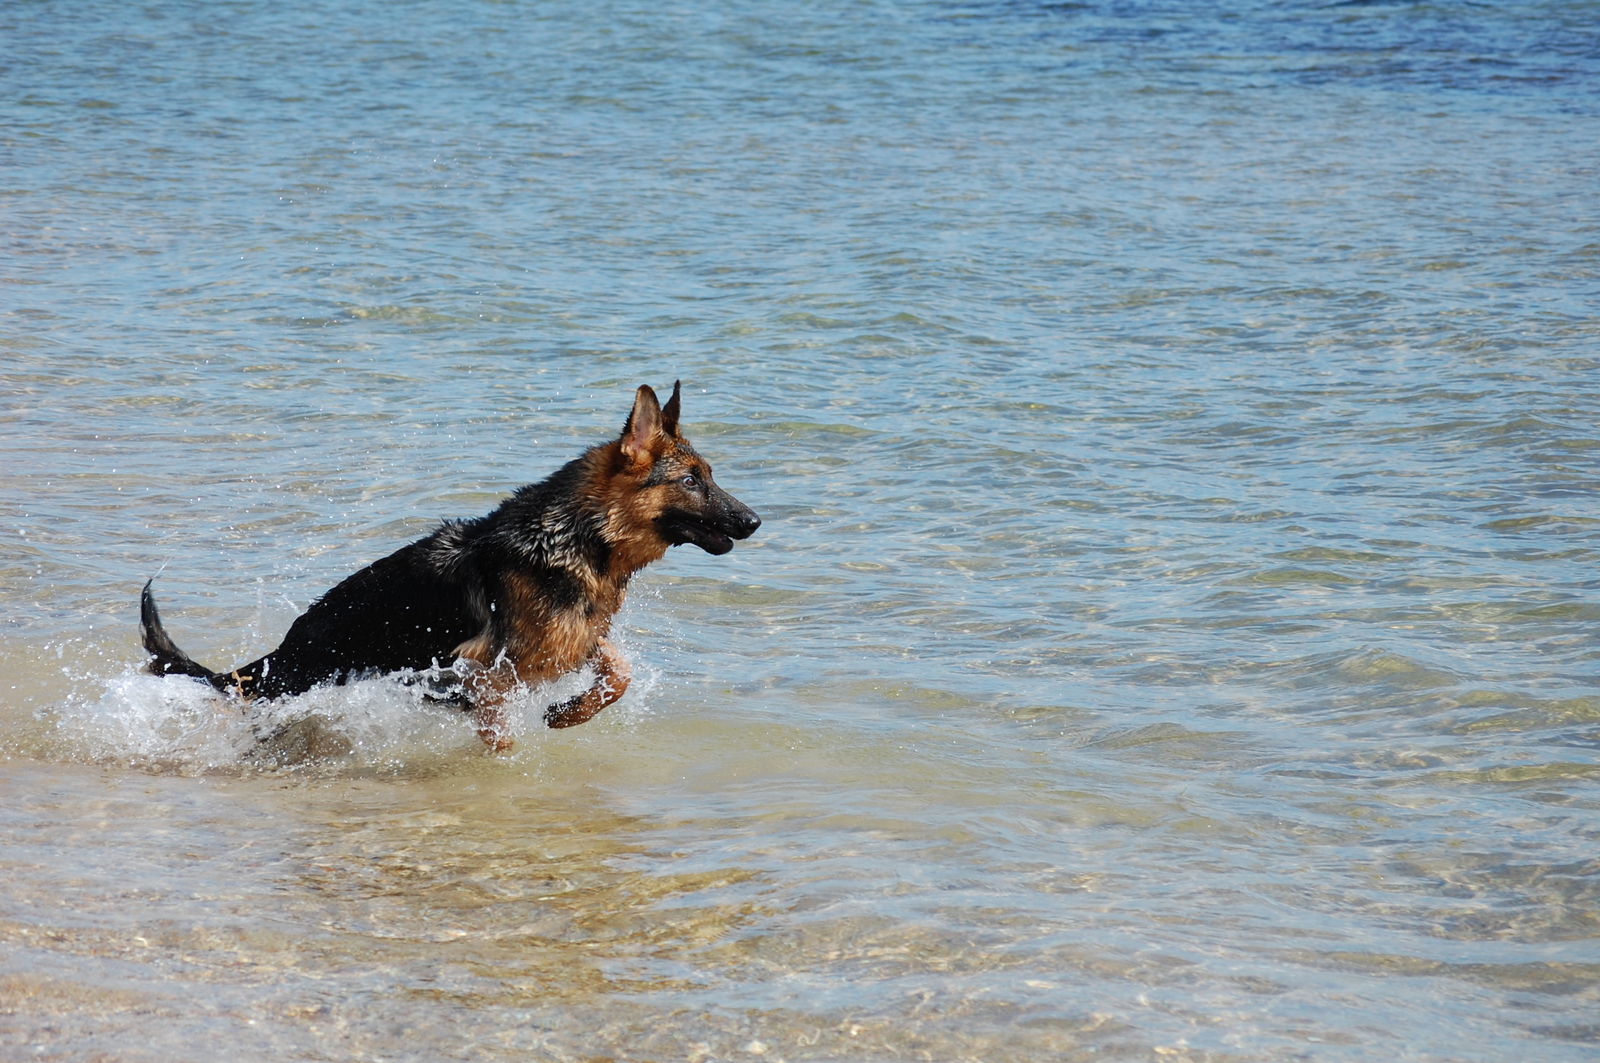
(644, 424)
(669, 412)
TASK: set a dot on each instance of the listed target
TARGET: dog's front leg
(487, 690)
(493, 724)
(611, 677)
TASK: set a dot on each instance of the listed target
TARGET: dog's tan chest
(543, 643)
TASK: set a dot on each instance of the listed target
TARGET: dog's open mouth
(679, 530)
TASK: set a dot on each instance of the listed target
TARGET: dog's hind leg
(611, 679)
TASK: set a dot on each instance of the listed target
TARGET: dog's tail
(167, 659)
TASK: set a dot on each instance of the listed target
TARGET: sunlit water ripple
(1173, 630)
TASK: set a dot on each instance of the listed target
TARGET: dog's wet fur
(520, 596)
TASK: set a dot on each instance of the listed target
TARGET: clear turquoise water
(1173, 632)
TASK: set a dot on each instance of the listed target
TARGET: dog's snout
(733, 517)
(738, 520)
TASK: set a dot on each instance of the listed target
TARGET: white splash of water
(178, 724)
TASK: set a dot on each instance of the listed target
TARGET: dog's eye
(689, 481)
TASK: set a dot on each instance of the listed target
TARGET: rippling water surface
(1174, 630)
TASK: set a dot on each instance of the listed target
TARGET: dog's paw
(569, 713)
(497, 741)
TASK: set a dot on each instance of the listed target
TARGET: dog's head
(675, 493)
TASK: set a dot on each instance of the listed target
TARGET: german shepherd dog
(520, 596)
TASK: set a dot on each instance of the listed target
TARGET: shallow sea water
(1173, 633)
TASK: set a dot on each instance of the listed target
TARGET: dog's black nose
(742, 521)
